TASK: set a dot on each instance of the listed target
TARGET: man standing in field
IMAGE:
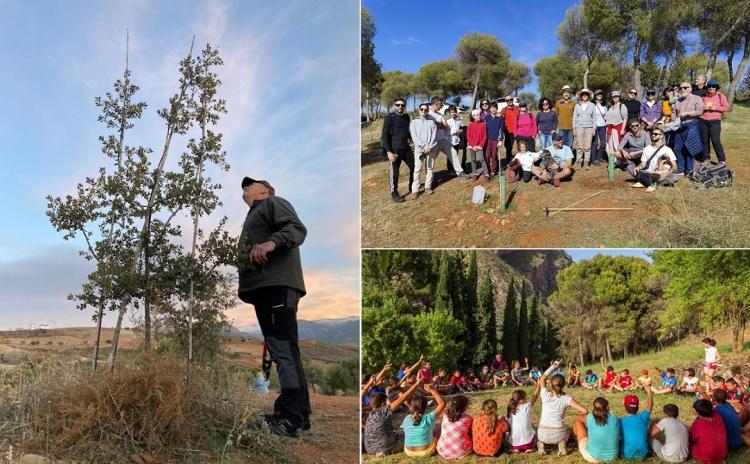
(395, 139)
(270, 278)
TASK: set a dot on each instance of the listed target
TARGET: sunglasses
(631, 93)
(423, 109)
(635, 125)
(485, 104)
(685, 88)
(399, 105)
(712, 87)
(656, 133)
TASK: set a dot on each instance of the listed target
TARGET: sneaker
(587, 167)
(306, 425)
(556, 182)
(276, 425)
(651, 188)
(414, 195)
(540, 448)
(396, 197)
(486, 177)
(462, 175)
(562, 449)
(637, 185)
(679, 173)
(428, 191)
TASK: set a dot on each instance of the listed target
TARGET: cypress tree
(443, 300)
(523, 326)
(510, 325)
(471, 309)
(544, 345)
(536, 331)
(552, 342)
(486, 324)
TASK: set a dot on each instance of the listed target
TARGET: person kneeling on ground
(658, 163)
(669, 436)
(631, 146)
(558, 165)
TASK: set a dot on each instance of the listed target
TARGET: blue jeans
(567, 136)
(545, 140)
(599, 144)
(684, 158)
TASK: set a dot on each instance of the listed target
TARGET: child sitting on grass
(608, 378)
(598, 433)
(473, 380)
(522, 435)
(668, 381)
(516, 374)
(634, 427)
(379, 437)
(708, 437)
(735, 438)
(485, 378)
(690, 383)
(458, 383)
(419, 426)
(644, 380)
(591, 380)
(488, 430)
(455, 439)
(534, 374)
(624, 382)
(552, 428)
(669, 436)
(574, 376)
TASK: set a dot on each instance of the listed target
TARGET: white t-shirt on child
(711, 353)
(690, 382)
(527, 159)
(521, 432)
(675, 446)
(553, 409)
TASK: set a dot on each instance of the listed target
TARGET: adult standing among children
(546, 122)
(552, 428)
(633, 104)
(617, 116)
(526, 127)
(564, 108)
(715, 104)
(510, 115)
(688, 143)
(395, 139)
(599, 143)
(699, 88)
(270, 278)
(423, 132)
(442, 143)
(584, 124)
(650, 112)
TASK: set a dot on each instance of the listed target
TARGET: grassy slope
(688, 352)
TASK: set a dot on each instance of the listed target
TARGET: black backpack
(713, 176)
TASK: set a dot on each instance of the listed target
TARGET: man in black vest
(395, 140)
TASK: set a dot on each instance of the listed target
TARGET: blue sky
(292, 99)
(579, 254)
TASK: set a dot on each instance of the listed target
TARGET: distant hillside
(344, 330)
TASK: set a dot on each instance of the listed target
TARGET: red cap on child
(644, 372)
(630, 400)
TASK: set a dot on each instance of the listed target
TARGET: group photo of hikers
(469, 354)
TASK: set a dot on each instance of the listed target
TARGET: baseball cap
(615, 93)
(557, 137)
(247, 181)
(566, 87)
(630, 400)
(644, 371)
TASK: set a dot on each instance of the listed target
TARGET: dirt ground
(448, 219)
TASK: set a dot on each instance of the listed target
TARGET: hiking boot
(306, 425)
(428, 191)
(540, 448)
(281, 426)
(396, 197)
(562, 449)
(637, 185)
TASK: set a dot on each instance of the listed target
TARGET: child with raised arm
(608, 378)
(516, 374)
(488, 430)
(574, 376)
(522, 435)
(419, 425)
(379, 437)
(552, 428)
(455, 430)
(668, 381)
(634, 426)
(591, 380)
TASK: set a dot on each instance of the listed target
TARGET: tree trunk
(147, 301)
(367, 106)
(98, 332)
(637, 67)
(586, 74)
(476, 89)
(664, 73)
(580, 349)
(711, 63)
(115, 340)
(736, 346)
(732, 92)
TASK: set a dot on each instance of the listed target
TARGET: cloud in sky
(405, 41)
(292, 94)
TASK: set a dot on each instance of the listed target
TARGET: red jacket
(526, 125)
(476, 134)
(510, 114)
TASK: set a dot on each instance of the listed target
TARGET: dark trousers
(711, 135)
(405, 155)
(530, 143)
(509, 139)
(490, 156)
(599, 144)
(276, 309)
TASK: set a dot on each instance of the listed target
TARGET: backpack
(712, 176)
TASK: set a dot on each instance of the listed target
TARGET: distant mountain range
(344, 330)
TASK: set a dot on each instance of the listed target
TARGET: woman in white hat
(584, 124)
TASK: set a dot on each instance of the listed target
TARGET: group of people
(722, 423)
(655, 141)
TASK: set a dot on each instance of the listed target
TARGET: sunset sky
(292, 94)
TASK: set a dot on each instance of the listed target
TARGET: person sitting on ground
(474, 382)
(668, 381)
(500, 378)
(643, 380)
(488, 430)
(708, 436)
(735, 397)
(634, 426)
(373, 384)
(624, 381)
(522, 438)
(534, 374)
(516, 374)
(737, 376)
(458, 383)
(591, 380)
(669, 436)
(455, 439)
(608, 378)
(735, 436)
(574, 379)
(717, 382)
(425, 373)
(557, 371)
(631, 146)
(402, 370)
(556, 167)
(690, 383)
(552, 428)
(598, 433)
(440, 381)
(485, 378)
(379, 437)
(498, 364)
(658, 163)
(260, 383)
(419, 425)
(524, 161)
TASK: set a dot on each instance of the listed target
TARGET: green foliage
(341, 377)
(523, 325)
(486, 323)
(371, 70)
(438, 337)
(443, 295)
(390, 334)
(687, 68)
(510, 324)
(535, 331)
(441, 78)
(396, 84)
(483, 60)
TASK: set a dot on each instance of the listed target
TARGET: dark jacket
(271, 219)
(634, 108)
(495, 127)
(395, 132)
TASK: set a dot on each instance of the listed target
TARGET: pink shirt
(526, 125)
(721, 105)
(454, 442)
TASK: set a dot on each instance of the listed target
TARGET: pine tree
(510, 325)
(523, 325)
(536, 331)
(486, 323)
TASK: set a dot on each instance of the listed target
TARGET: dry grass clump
(70, 412)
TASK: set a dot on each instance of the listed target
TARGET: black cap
(247, 181)
(557, 136)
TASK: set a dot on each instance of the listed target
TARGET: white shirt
(521, 432)
(711, 353)
(527, 159)
(455, 125)
(690, 382)
(653, 164)
(435, 116)
(675, 439)
(553, 409)
(600, 111)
